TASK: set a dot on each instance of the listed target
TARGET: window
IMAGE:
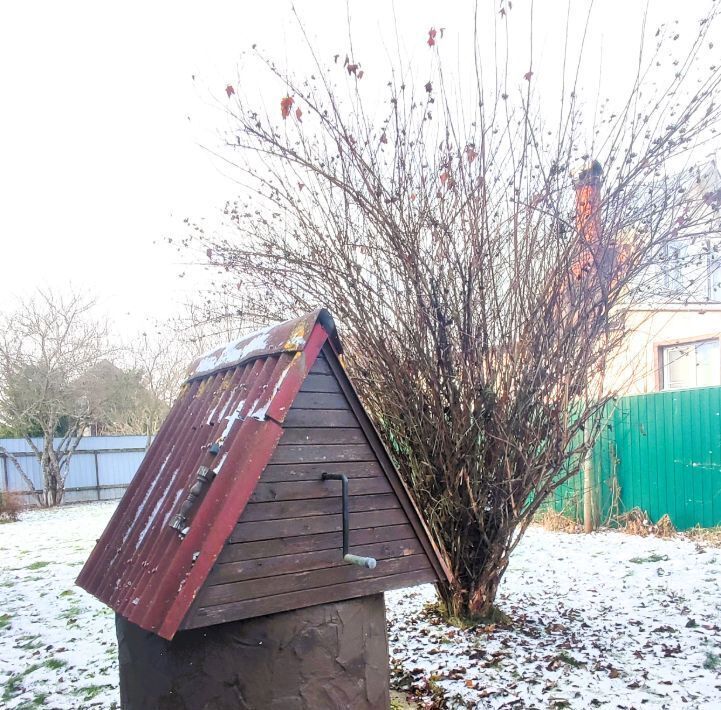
(695, 364)
(692, 270)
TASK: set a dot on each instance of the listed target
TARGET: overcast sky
(100, 119)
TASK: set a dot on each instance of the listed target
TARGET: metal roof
(227, 420)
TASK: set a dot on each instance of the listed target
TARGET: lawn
(606, 620)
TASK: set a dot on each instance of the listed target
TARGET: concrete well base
(328, 656)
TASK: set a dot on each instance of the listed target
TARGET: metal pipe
(367, 562)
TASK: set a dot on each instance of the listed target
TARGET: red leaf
(300, 186)
(229, 90)
(527, 76)
(285, 106)
(298, 114)
(360, 74)
(209, 253)
(429, 87)
(444, 177)
(352, 68)
(413, 197)
(432, 36)
(471, 154)
(384, 139)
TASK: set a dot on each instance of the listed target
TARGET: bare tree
(46, 346)
(160, 359)
(480, 286)
(120, 400)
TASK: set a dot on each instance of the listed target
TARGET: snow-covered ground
(57, 643)
(606, 620)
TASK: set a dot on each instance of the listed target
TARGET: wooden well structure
(247, 560)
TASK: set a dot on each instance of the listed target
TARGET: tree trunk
(472, 596)
(52, 480)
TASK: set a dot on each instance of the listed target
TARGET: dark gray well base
(328, 656)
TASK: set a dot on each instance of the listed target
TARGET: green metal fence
(660, 452)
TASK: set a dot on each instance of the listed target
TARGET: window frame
(660, 365)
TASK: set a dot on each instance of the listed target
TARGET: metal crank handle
(367, 562)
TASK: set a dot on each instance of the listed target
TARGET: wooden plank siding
(286, 550)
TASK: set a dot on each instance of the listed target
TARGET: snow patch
(219, 465)
(260, 412)
(232, 352)
(232, 418)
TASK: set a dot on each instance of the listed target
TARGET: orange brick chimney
(588, 201)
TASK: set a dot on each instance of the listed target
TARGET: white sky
(98, 160)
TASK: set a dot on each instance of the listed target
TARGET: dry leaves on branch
(285, 105)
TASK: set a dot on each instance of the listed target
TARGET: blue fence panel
(101, 467)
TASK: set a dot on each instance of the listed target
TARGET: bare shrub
(705, 536)
(637, 522)
(557, 522)
(479, 297)
(10, 507)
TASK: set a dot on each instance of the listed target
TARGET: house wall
(286, 551)
(636, 369)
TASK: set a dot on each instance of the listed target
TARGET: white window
(696, 364)
(692, 270)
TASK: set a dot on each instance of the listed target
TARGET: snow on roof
(290, 336)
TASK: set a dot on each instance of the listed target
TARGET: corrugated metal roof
(236, 398)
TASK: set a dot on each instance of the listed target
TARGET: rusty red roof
(225, 423)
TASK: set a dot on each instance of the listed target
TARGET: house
(674, 340)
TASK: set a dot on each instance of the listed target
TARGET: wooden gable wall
(286, 551)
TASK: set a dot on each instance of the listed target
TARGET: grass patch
(55, 663)
(712, 661)
(67, 593)
(30, 642)
(89, 692)
(13, 685)
(653, 557)
(438, 610)
(5, 621)
(569, 660)
(37, 565)
(37, 702)
(72, 612)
